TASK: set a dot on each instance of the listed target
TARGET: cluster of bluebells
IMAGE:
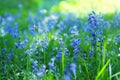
(47, 38)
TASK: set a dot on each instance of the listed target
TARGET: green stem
(44, 57)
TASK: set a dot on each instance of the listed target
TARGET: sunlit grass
(83, 7)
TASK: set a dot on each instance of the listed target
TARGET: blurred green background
(77, 7)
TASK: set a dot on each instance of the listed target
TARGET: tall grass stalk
(102, 70)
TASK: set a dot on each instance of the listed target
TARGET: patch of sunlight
(83, 7)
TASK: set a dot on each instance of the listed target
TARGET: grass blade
(102, 70)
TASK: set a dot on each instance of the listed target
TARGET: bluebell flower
(35, 65)
(44, 44)
(40, 73)
(9, 57)
(36, 52)
(72, 68)
(117, 39)
(3, 50)
(29, 51)
(93, 34)
(61, 42)
(66, 51)
(8, 27)
(76, 42)
(92, 20)
(59, 55)
(77, 49)
(10, 18)
(74, 31)
(3, 22)
(61, 26)
(26, 38)
(14, 32)
(51, 64)
(76, 45)
(91, 53)
(67, 76)
(19, 45)
(51, 23)
(75, 58)
(32, 31)
(85, 55)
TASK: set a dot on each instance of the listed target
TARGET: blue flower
(91, 53)
(36, 52)
(72, 67)
(9, 57)
(35, 65)
(32, 29)
(75, 58)
(51, 64)
(92, 20)
(8, 27)
(76, 42)
(66, 51)
(67, 76)
(61, 42)
(3, 50)
(77, 49)
(85, 55)
(59, 55)
(40, 73)
(29, 51)
(14, 32)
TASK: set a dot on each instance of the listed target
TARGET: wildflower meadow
(44, 44)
